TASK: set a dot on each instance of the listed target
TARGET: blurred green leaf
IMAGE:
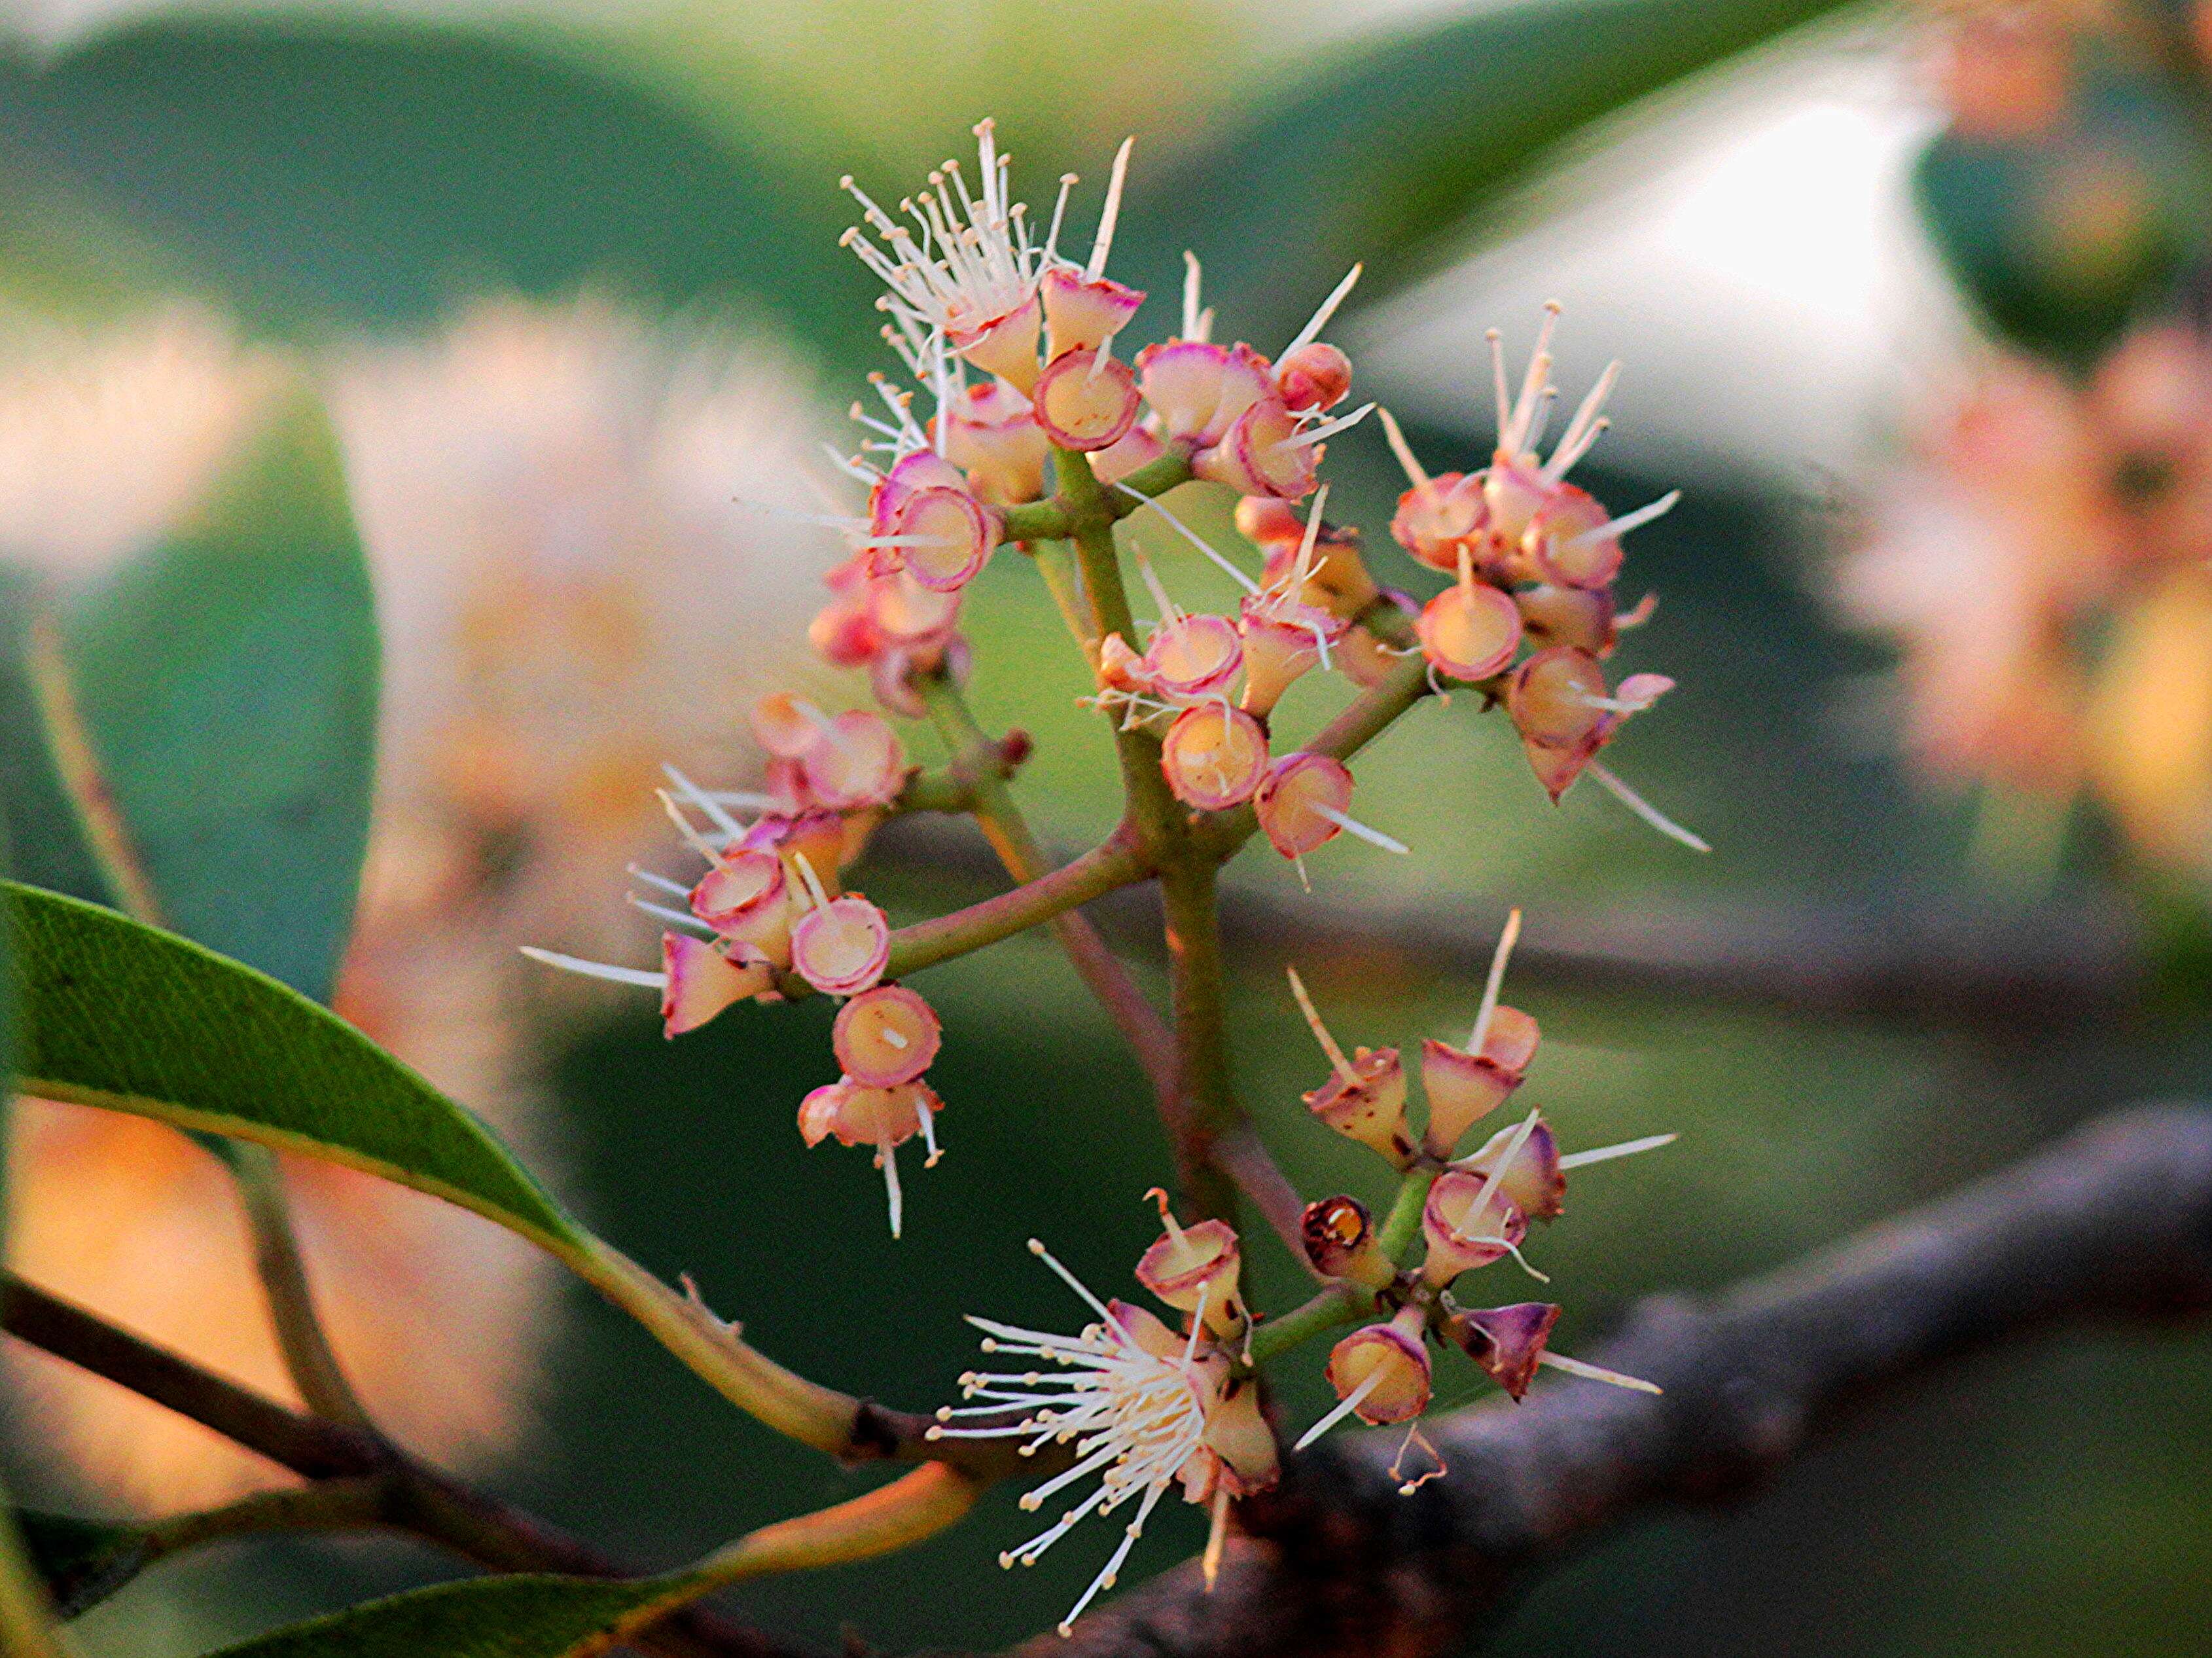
(2061, 240)
(220, 697)
(478, 1617)
(371, 169)
(126, 1016)
(1381, 157)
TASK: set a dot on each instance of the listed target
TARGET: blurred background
(1912, 301)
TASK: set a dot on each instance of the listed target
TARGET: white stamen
(613, 975)
(928, 1130)
(1342, 1065)
(1350, 1402)
(1629, 521)
(1319, 320)
(1496, 982)
(1327, 429)
(1625, 1149)
(1494, 1184)
(1582, 431)
(813, 882)
(675, 887)
(1597, 1373)
(1643, 808)
(1190, 307)
(707, 803)
(887, 1154)
(1111, 212)
(1353, 825)
(1216, 1537)
(674, 917)
(1403, 450)
(1193, 538)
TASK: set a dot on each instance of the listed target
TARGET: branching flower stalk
(1025, 417)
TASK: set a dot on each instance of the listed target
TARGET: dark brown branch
(2115, 1222)
(417, 1498)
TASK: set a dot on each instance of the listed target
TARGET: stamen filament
(1328, 1046)
(1111, 213)
(1319, 320)
(1643, 808)
(1625, 1149)
(1496, 982)
(613, 975)
(1353, 825)
(1597, 1373)
(1350, 1402)
(1404, 450)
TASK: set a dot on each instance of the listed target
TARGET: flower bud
(1288, 796)
(1506, 1341)
(1270, 524)
(1193, 657)
(1190, 1265)
(1466, 1226)
(1081, 314)
(700, 981)
(885, 1036)
(1365, 1101)
(858, 760)
(1535, 1183)
(1339, 1235)
(1084, 402)
(991, 431)
(953, 537)
(1463, 1087)
(1385, 1367)
(1470, 630)
(840, 948)
(1316, 375)
(746, 899)
(1214, 756)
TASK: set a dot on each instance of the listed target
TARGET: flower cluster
(1534, 560)
(2044, 565)
(1023, 420)
(1475, 1208)
(1144, 1408)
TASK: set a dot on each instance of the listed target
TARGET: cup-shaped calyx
(1339, 1235)
(1466, 1222)
(1507, 1342)
(1380, 1374)
(885, 1036)
(1364, 1098)
(1195, 1268)
(1464, 1085)
(1535, 1181)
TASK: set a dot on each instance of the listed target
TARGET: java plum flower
(1364, 1098)
(1145, 1410)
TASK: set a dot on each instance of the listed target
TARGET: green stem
(1405, 1217)
(1055, 562)
(1091, 517)
(1053, 520)
(329, 1505)
(1008, 833)
(1338, 1304)
(308, 1355)
(1104, 869)
(1198, 981)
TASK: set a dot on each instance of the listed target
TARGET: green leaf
(223, 688)
(372, 169)
(123, 1015)
(478, 1617)
(1382, 157)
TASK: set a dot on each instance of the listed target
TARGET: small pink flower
(1380, 1374)
(1471, 630)
(991, 431)
(1316, 376)
(841, 946)
(1364, 1098)
(1468, 1223)
(1507, 1342)
(885, 1037)
(701, 981)
(1302, 802)
(1086, 402)
(1214, 756)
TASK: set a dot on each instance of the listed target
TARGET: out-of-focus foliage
(121, 1014)
(225, 687)
(486, 1618)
